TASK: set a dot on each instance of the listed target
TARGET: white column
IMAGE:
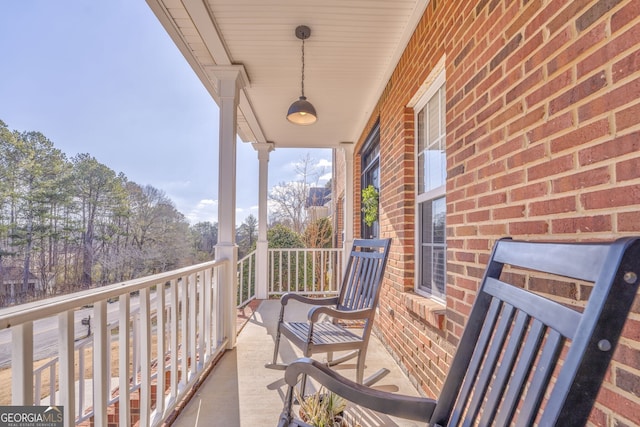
(347, 149)
(262, 246)
(229, 79)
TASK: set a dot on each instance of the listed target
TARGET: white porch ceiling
(353, 49)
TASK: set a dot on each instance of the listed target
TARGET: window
(370, 157)
(431, 171)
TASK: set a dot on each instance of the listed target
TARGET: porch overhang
(349, 58)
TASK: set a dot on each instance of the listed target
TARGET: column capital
(348, 147)
(263, 149)
(230, 72)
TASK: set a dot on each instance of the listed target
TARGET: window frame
(372, 143)
(431, 87)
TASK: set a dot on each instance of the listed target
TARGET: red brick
(611, 197)
(528, 120)
(550, 127)
(626, 67)
(549, 89)
(527, 156)
(509, 212)
(526, 14)
(595, 12)
(551, 167)
(609, 51)
(622, 17)
(528, 228)
(610, 149)
(628, 381)
(492, 199)
(478, 216)
(566, 15)
(628, 117)
(581, 224)
(529, 191)
(581, 180)
(546, 50)
(507, 180)
(507, 114)
(627, 170)
(627, 355)
(615, 98)
(629, 222)
(553, 206)
(581, 136)
(620, 404)
(492, 229)
(578, 92)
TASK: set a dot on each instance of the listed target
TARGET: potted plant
(370, 204)
(323, 409)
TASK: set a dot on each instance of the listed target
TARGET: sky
(104, 78)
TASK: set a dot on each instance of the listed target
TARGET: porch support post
(262, 246)
(229, 79)
(349, 214)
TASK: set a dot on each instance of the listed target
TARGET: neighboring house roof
(318, 196)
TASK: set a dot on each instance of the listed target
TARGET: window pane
(421, 135)
(434, 168)
(439, 216)
(443, 108)
(427, 230)
(431, 135)
(421, 169)
(433, 125)
(433, 247)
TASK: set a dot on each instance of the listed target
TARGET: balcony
(73, 350)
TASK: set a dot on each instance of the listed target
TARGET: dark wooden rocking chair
(357, 300)
(523, 359)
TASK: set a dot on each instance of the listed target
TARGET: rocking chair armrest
(307, 300)
(408, 407)
(315, 313)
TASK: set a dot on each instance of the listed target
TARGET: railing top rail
(247, 256)
(305, 249)
(12, 316)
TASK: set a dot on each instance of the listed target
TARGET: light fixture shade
(302, 112)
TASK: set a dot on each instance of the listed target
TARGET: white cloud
(324, 163)
(325, 178)
(204, 210)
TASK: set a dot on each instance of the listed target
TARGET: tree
(289, 199)
(318, 234)
(99, 191)
(205, 238)
(247, 235)
(34, 176)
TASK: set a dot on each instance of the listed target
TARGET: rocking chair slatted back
(361, 283)
(515, 340)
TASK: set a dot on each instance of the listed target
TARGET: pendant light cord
(303, 67)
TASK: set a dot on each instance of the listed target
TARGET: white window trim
(429, 87)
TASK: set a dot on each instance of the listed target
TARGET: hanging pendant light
(301, 111)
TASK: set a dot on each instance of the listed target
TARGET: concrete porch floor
(240, 391)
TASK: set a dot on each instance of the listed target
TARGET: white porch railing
(246, 279)
(175, 318)
(305, 271)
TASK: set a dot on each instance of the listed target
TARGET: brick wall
(543, 118)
